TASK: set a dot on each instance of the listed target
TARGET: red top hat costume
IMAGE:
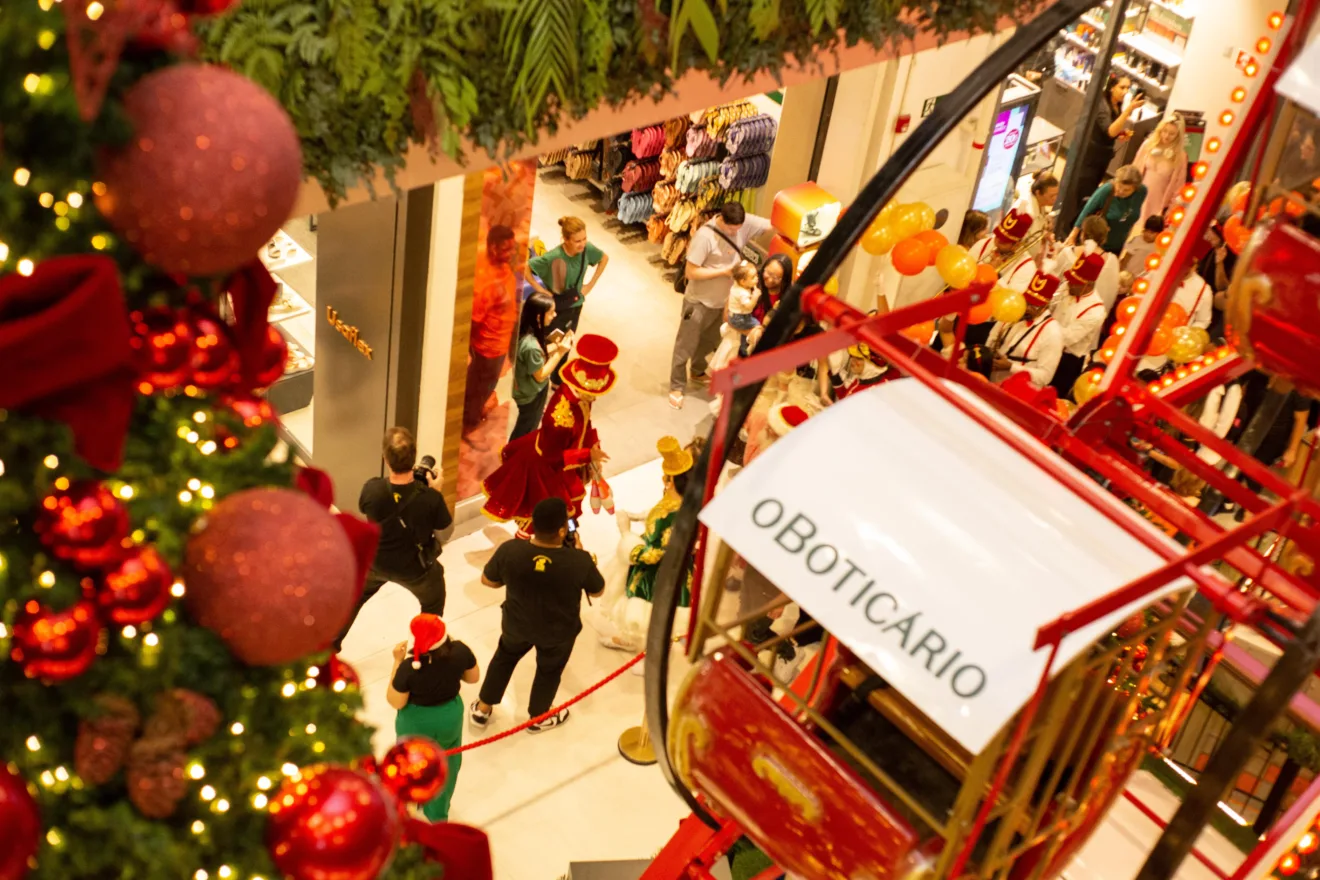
(1041, 289)
(551, 461)
(1013, 228)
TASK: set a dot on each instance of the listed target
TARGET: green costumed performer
(630, 613)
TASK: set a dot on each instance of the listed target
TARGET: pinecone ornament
(104, 741)
(156, 781)
(201, 715)
(183, 714)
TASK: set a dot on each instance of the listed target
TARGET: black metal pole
(823, 126)
(1070, 200)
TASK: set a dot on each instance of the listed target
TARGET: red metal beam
(1156, 818)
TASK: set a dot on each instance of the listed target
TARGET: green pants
(444, 724)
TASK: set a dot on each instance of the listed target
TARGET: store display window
(290, 257)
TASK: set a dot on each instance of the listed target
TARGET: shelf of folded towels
(672, 177)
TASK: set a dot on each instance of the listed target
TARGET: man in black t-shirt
(545, 578)
(411, 517)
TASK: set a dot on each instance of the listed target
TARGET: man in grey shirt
(714, 252)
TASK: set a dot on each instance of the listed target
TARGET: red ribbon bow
(464, 851)
(251, 291)
(364, 536)
(64, 346)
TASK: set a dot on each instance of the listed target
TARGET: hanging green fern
(764, 18)
(540, 47)
(823, 12)
(694, 14)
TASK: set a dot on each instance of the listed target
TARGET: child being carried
(739, 321)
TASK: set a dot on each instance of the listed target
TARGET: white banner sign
(930, 548)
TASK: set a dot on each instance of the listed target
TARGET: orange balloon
(986, 276)
(982, 312)
(1160, 342)
(920, 333)
(910, 257)
(1235, 234)
(933, 240)
(1174, 317)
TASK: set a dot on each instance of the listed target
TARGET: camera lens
(428, 462)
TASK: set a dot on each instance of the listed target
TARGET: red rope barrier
(555, 711)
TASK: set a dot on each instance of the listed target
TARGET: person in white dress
(1039, 205)
(1081, 313)
(1032, 345)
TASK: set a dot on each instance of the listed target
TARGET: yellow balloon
(925, 214)
(886, 214)
(879, 240)
(956, 266)
(907, 220)
(1186, 345)
(1087, 386)
(1202, 336)
(832, 286)
(1007, 305)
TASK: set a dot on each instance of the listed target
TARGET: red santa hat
(1085, 270)
(1013, 228)
(428, 630)
(785, 417)
(1041, 289)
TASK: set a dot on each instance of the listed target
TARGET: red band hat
(1041, 289)
(589, 370)
(1014, 227)
(785, 417)
(1087, 268)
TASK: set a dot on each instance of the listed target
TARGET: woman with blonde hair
(1162, 161)
(561, 272)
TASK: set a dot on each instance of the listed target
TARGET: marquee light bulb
(1213, 144)
(1238, 95)
(1226, 118)
(1153, 262)
(1275, 21)
(1188, 193)
(1263, 45)
(1199, 170)
(1251, 68)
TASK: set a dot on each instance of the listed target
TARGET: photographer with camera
(412, 516)
(545, 579)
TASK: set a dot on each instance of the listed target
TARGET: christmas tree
(168, 584)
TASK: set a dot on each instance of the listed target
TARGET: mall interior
(403, 273)
(400, 306)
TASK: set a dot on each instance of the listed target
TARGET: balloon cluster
(1172, 337)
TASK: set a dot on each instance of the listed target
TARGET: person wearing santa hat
(1080, 311)
(558, 459)
(1032, 345)
(424, 689)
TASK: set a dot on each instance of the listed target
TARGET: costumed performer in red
(560, 457)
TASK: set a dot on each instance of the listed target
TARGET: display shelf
(1074, 86)
(1077, 41)
(282, 252)
(1158, 51)
(1131, 71)
(1093, 22)
(292, 314)
(1176, 10)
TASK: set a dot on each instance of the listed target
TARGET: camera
(425, 471)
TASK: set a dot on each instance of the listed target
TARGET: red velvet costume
(553, 461)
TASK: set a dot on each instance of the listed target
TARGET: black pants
(550, 662)
(568, 312)
(429, 590)
(529, 414)
(483, 375)
(1065, 377)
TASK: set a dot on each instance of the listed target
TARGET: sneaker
(479, 718)
(552, 721)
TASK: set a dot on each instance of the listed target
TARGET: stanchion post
(635, 745)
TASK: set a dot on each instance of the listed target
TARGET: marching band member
(1081, 313)
(1015, 272)
(1034, 344)
(859, 373)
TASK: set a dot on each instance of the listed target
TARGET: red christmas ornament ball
(332, 823)
(84, 524)
(55, 645)
(135, 590)
(162, 346)
(274, 351)
(207, 7)
(253, 410)
(334, 671)
(273, 574)
(414, 769)
(211, 171)
(213, 359)
(20, 825)
(1133, 625)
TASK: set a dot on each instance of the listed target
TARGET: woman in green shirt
(562, 272)
(534, 362)
(1119, 202)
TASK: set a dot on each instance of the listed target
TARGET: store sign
(348, 331)
(932, 549)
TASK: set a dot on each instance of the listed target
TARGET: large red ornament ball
(211, 171)
(136, 590)
(20, 825)
(55, 645)
(214, 360)
(162, 346)
(84, 524)
(414, 769)
(273, 574)
(332, 823)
